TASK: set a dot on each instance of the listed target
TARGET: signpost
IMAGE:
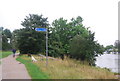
(41, 29)
(44, 30)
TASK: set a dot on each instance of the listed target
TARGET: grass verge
(32, 69)
(65, 69)
(4, 54)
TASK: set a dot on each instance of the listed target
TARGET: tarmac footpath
(12, 69)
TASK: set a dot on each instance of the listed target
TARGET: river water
(109, 61)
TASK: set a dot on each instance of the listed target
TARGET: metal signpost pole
(44, 30)
(46, 48)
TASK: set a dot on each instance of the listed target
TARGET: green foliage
(8, 33)
(73, 39)
(109, 48)
(33, 20)
(62, 32)
(57, 37)
(99, 48)
(14, 39)
(64, 38)
(76, 22)
(4, 43)
(78, 44)
(5, 35)
(29, 40)
(85, 48)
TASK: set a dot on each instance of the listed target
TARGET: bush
(85, 48)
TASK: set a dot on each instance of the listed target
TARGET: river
(109, 61)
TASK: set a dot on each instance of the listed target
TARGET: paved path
(12, 69)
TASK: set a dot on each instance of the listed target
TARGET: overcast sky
(100, 15)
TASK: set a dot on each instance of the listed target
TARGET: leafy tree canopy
(5, 35)
(33, 20)
(29, 40)
(73, 39)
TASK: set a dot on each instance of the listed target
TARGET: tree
(109, 48)
(33, 20)
(5, 44)
(61, 32)
(8, 33)
(14, 39)
(77, 44)
(76, 22)
(5, 36)
(29, 40)
(85, 48)
(58, 37)
(65, 36)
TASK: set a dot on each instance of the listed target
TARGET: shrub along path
(12, 69)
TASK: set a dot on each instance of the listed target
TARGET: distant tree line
(5, 39)
(113, 48)
(65, 38)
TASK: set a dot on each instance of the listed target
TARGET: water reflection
(109, 61)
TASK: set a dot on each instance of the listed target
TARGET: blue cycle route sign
(41, 29)
(44, 30)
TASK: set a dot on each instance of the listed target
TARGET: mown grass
(4, 54)
(32, 69)
(70, 69)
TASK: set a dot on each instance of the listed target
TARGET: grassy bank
(67, 69)
(4, 54)
(33, 69)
